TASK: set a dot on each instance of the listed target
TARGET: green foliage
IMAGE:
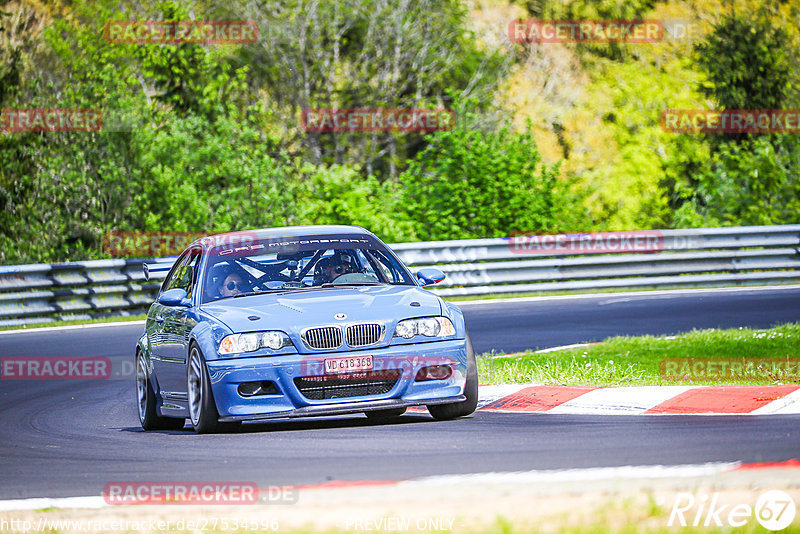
(208, 138)
(629, 188)
(744, 178)
(747, 64)
(205, 175)
(472, 184)
(367, 54)
(754, 182)
(592, 10)
(176, 152)
(339, 195)
(587, 9)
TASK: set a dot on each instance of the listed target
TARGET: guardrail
(76, 290)
(754, 255)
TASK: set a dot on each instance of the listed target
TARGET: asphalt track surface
(70, 438)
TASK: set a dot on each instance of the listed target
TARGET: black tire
(203, 412)
(466, 407)
(146, 397)
(390, 413)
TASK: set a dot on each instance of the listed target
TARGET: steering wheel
(261, 281)
(355, 278)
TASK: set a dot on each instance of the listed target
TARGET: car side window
(390, 270)
(169, 280)
(370, 266)
(184, 274)
(367, 267)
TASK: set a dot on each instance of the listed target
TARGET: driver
(329, 269)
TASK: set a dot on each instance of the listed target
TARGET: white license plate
(348, 365)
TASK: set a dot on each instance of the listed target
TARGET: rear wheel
(385, 414)
(202, 410)
(146, 397)
(466, 407)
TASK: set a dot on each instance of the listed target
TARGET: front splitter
(344, 408)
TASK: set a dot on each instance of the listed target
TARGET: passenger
(231, 286)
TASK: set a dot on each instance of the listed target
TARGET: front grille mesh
(361, 335)
(330, 337)
(347, 385)
(326, 337)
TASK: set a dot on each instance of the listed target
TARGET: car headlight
(425, 326)
(251, 341)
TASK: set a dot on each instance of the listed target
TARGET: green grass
(636, 361)
(124, 318)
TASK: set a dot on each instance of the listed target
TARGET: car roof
(285, 231)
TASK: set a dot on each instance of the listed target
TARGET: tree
(471, 184)
(752, 183)
(365, 54)
(746, 178)
(747, 64)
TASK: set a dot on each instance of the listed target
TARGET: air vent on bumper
(348, 384)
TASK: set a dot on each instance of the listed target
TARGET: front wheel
(148, 416)
(202, 410)
(465, 407)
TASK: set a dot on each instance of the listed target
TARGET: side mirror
(174, 297)
(150, 268)
(429, 276)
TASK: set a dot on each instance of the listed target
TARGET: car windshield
(300, 263)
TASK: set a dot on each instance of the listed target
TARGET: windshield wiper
(328, 285)
(252, 293)
(279, 290)
(345, 284)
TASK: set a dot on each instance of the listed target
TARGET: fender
(143, 346)
(454, 313)
(208, 334)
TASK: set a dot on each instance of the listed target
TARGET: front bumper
(227, 374)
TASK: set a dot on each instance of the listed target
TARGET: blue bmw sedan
(297, 322)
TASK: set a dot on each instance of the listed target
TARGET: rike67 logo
(774, 510)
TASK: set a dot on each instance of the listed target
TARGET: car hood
(295, 311)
